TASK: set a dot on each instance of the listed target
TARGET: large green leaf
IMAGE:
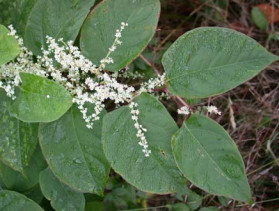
(209, 158)
(22, 10)
(40, 99)
(209, 61)
(74, 152)
(6, 8)
(157, 173)
(9, 48)
(58, 19)
(98, 31)
(14, 180)
(60, 195)
(18, 140)
(12, 201)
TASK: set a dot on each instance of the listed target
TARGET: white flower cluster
(88, 84)
(9, 73)
(108, 59)
(153, 82)
(140, 129)
(183, 110)
(129, 74)
(212, 109)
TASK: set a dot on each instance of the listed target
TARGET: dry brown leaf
(271, 13)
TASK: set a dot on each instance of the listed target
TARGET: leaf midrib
(155, 158)
(215, 67)
(77, 139)
(213, 161)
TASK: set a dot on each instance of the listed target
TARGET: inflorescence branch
(88, 83)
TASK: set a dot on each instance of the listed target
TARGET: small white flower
(88, 84)
(183, 110)
(213, 109)
(140, 129)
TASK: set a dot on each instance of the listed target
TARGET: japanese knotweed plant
(73, 93)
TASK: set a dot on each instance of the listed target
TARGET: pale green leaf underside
(98, 31)
(208, 61)
(157, 173)
(11, 201)
(40, 99)
(208, 157)
(83, 165)
(9, 48)
(60, 195)
(58, 19)
(18, 140)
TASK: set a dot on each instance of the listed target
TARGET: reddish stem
(178, 100)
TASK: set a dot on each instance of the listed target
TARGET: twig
(178, 100)
(149, 64)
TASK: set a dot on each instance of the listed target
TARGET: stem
(178, 100)
(149, 64)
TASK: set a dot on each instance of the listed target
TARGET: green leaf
(3, 30)
(224, 201)
(98, 31)
(40, 99)
(35, 194)
(74, 152)
(209, 209)
(94, 205)
(61, 196)
(6, 8)
(14, 180)
(18, 140)
(193, 199)
(9, 48)
(11, 201)
(208, 61)
(209, 158)
(22, 10)
(180, 207)
(157, 173)
(259, 18)
(58, 19)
